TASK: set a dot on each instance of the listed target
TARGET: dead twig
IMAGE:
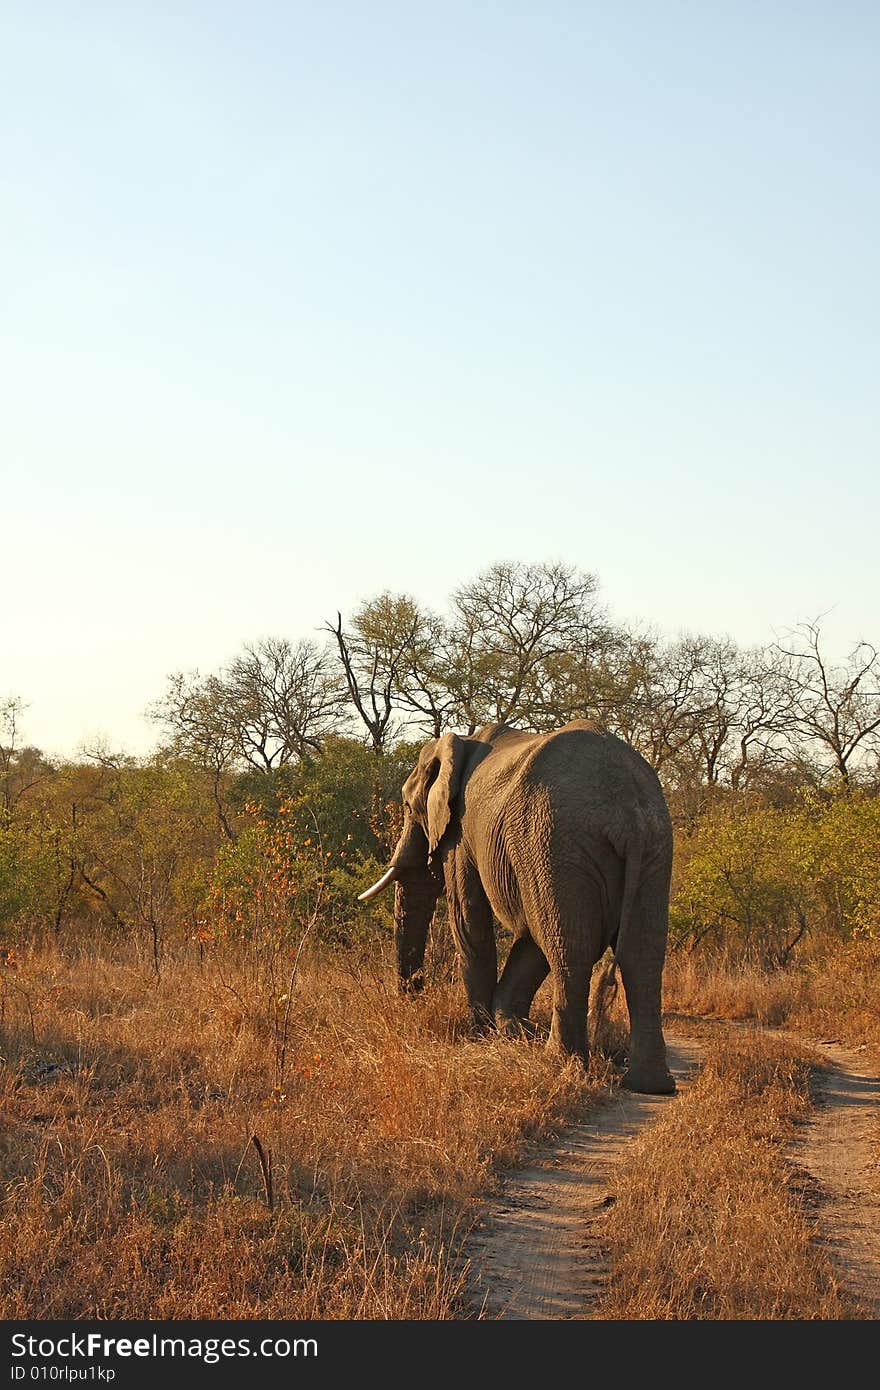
(266, 1169)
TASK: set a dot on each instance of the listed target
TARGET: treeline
(532, 645)
(272, 796)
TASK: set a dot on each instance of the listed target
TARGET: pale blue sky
(303, 301)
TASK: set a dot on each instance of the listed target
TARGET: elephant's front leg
(473, 930)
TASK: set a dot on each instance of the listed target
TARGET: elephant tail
(607, 984)
(632, 872)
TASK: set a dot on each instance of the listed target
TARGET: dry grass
(709, 1222)
(835, 993)
(132, 1187)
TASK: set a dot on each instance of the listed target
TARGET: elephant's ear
(449, 757)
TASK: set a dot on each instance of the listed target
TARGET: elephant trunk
(414, 903)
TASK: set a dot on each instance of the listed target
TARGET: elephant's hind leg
(524, 970)
(641, 965)
(564, 913)
(571, 996)
(570, 954)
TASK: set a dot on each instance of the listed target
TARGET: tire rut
(539, 1254)
(840, 1149)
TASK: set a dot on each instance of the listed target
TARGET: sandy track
(539, 1253)
(839, 1148)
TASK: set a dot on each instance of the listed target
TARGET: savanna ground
(135, 1187)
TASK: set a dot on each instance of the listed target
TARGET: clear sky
(303, 301)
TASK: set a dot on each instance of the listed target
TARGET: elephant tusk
(388, 877)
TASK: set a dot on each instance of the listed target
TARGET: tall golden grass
(833, 992)
(709, 1221)
(132, 1183)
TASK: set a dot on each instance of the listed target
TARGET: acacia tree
(513, 629)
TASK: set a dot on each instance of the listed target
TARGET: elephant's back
(587, 750)
(589, 778)
(573, 785)
(562, 809)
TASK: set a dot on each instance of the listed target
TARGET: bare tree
(285, 699)
(412, 646)
(275, 703)
(762, 720)
(703, 711)
(195, 712)
(370, 666)
(511, 628)
(659, 700)
(836, 709)
(739, 708)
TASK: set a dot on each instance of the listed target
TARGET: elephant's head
(416, 869)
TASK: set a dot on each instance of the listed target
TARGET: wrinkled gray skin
(565, 838)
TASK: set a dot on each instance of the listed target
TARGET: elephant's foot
(515, 1026)
(568, 1031)
(557, 1047)
(480, 1023)
(411, 984)
(649, 1080)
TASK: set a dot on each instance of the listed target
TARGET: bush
(757, 879)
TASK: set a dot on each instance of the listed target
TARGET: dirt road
(840, 1149)
(539, 1252)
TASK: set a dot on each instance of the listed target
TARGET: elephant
(563, 837)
